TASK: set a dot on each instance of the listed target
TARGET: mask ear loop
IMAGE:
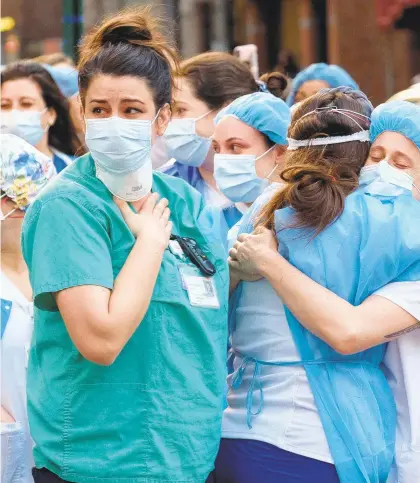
(204, 115)
(199, 119)
(275, 166)
(3, 217)
(48, 124)
(157, 115)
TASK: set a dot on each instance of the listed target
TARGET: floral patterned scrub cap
(24, 171)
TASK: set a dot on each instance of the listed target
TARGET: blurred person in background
(316, 77)
(360, 430)
(415, 79)
(33, 108)
(24, 173)
(249, 141)
(128, 358)
(412, 94)
(66, 78)
(57, 59)
(287, 64)
(204, 85)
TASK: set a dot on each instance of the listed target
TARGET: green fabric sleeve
(65, 244)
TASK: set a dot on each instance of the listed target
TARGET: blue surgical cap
(333, 75)
(262, 111)
(65, 77)
(398, 116)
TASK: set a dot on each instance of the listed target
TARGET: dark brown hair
(62, 134)
(277, 83)
(318, 178)
(129, 44)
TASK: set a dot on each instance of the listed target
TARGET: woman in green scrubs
(127, 364)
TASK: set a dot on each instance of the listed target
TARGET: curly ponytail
(129, 43)
(319, 178)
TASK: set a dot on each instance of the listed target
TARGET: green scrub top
(154, 415)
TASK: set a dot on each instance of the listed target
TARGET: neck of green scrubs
(155, 413)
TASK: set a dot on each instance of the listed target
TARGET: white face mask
(184, 144)
(395, 176)
(25, 124)
(121, 149)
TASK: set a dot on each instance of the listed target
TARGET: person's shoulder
(370, 204)
(177, 186)
(170, 168)
(75, 190)
(175, 169)
(77, 183)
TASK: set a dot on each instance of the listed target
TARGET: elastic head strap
(362, 136)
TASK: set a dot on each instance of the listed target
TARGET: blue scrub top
(192, 176)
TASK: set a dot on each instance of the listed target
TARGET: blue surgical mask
(184, 144)
(121, 149)
(24, 124)
(237, 178)
(368, 174)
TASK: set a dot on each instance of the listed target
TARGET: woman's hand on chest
(151, 223)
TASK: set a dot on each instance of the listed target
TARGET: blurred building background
(377, 41)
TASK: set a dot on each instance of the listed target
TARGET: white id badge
(201, 290)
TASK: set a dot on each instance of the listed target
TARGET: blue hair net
(262, 111)
(333, 75)
(399, 116)
(66, 78)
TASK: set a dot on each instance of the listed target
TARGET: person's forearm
(126, 307)
(133, 288)
(322, 312)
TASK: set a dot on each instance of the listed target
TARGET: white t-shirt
(290, 419)
(401, 365)
(15, 345)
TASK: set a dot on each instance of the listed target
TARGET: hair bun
(276, 83)
(126, 34)
(131, 26)
(304, 176)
